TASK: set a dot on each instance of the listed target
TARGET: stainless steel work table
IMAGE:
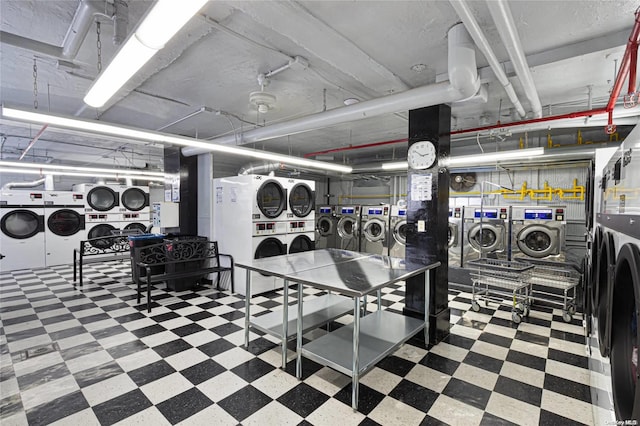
(356, 348)
(283, 325)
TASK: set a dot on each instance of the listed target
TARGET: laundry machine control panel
(269, 228)
(299, 226)
(97, 217)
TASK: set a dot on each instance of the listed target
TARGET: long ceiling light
(146, 135)
(29, 171)
(162, 22)
(47, 167)
(477, 159)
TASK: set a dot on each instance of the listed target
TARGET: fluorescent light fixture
(494, 157)
(162, 22)
(400, 165)
(65, 173)
(146, 135)
(78, 169)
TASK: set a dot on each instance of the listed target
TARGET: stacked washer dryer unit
(250, 221)
(22, 236)
(538, 232)
(397, 231)
(64, 219)
(374, 229)
(485, 232)
(347, 228)
(326, 225)
(615, 317)
(455, 236)
(102, 210)
(135, 212)
(301, 217)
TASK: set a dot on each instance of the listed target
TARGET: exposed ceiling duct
(506, 27)
(47, 180)
(463, 83)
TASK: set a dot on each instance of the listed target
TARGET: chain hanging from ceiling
(35, 84)
(99, 46)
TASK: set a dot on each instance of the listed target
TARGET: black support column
(187, 168)
(429, 245)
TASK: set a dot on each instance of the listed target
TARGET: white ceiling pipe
(470, 23)
(463, 83)
(81, 25)
(32, 184)
(503, 19)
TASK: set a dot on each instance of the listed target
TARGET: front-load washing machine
(455, 236)
(326, 224)
(538, 232)
(99, 198)
(64, 219)
(374, 229)
(397, 231)
(301, 198)
(347, 237)
(22, 236)
(485, 232)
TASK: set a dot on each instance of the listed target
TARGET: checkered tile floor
(95, 357)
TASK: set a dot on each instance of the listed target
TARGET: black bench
(163, 261)
(100, 249)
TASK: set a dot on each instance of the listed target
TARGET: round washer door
(136, 226)
(65, 222)
(491, 239)
(101, 230)
(347, 227)
(102, 198)
(134, 199)
(301, 243)
(452, 235)
(374, 230)
(22, 224)
(301, 200)
(538, 241)
(324, 226)
(400, 232)
(271, 198)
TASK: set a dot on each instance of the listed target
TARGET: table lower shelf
(317, 311)
(381, 332)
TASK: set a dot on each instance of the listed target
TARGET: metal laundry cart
(495, 280)
(550, 276)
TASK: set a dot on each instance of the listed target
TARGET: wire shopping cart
(495, 280)
(557, 277)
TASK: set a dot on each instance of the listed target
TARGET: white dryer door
(539, 241)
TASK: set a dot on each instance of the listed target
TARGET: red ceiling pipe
(632, 68)
(626, 63)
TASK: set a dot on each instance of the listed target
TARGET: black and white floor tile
(95, 357)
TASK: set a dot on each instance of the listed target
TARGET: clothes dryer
(301, 241)
(264, 243)
(538, 232)
(326, 227)
(485, 232)
(64, 218)
(615, 335)
(454, 242)
(374, 229)
(102, 225)
(134, 199)
(301, 198)
(347, 228)
(22, 229)
(99, 198)
(397, 231)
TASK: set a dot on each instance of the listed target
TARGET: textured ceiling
(355, 49)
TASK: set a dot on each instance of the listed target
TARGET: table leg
(299, 334)
(247, 305)
(285, 323)
(355, 368)
(379, 300)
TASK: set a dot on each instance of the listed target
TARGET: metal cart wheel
(526, 310)
(515, 317)
(566, 316)
(572, 309)
(475, 306)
